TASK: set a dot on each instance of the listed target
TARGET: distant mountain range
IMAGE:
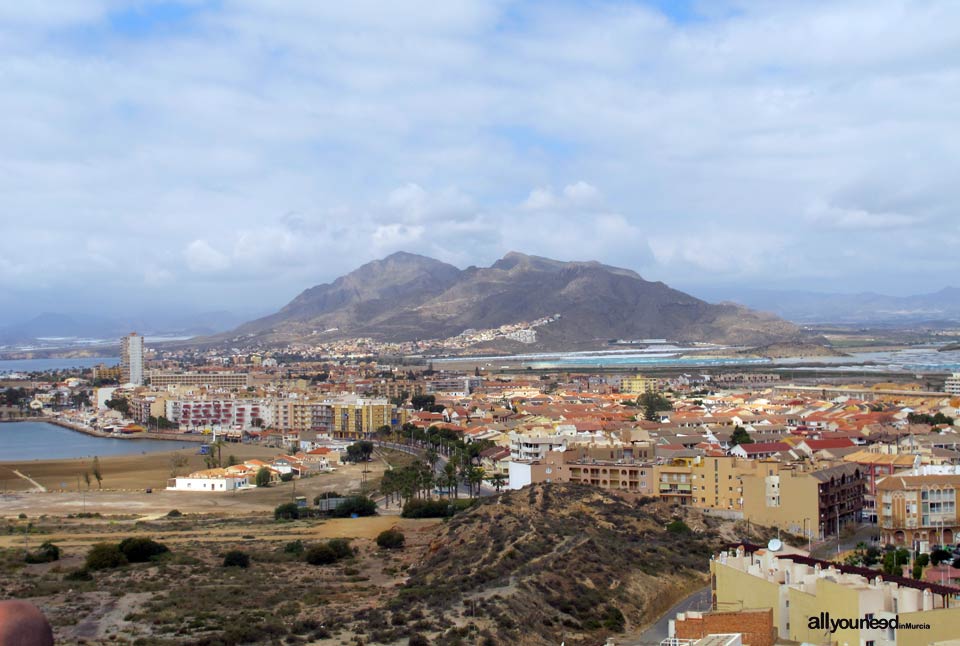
(71, 328)
(865, 307)
(406, 297)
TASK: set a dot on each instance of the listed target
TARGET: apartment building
(918, 510)
(803, 592)
(802, 500)
(357, 417)
(225, 380)
(876, 466)
(716, 482)
(131, 359)
(199, 414)
(638, 385)
(952, 384)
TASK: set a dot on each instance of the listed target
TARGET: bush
(391, 539)
(288, 510)
(320, 555)
(359, 505)
(263, 477)
(286, 477)
(81, 574)
(104, 556)
(330, 552)
(174, 513)
(294, 547)
(678, 527)
(141, 550)
(47, 553)
(324, 496)
(435, 508)
(236, 558)
(417, 639)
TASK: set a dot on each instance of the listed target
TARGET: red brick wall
(755, 625)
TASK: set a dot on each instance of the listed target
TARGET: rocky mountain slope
(552, 563)
(408, 297)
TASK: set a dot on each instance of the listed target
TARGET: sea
(10, 366)
(21, 441)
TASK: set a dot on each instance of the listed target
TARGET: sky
(204, 155)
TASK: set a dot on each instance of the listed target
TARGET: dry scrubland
(531, 567)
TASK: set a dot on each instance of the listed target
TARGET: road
(827, 550)
(699, 600)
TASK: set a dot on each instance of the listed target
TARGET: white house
(209, 480)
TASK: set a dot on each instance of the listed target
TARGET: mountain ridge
(410, 297)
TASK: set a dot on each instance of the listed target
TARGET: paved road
(699, 600)
(827, 550)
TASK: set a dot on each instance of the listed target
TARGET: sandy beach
(122, 472)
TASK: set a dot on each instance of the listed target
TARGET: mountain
(863, 307)
(408, 297)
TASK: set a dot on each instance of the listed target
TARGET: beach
(120, 472)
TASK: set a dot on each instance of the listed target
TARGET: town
(851, 472)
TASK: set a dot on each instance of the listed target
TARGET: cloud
(835, 217)
(201, 257)
(261, 147)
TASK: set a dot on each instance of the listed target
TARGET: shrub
(417, 639)
(359, 505)
(294, 547)
(434, 508)
(341, 547)
(47, 553)
(104, 556)
(236, 558)
(286, 477)
(263, 477)
(320, 555)
(324, 496)
(391, 539)
(330, 552)
(174, 513)
(80, 574)
(677, 526)
(287, 510)
(141, 550)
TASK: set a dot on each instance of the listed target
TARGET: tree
(288, 511)
(263, 477)
(740, 436)
(939, 555)
(894, 560)
(391, 539)
(423, 402)
(97, 472)
(498, 480)
(119, 404)
(86, 478)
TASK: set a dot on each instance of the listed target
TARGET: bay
(43, 441)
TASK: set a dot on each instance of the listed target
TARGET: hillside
(549, 563)
(407, 297)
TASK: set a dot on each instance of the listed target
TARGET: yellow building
(356, 417)
(800, 500)
(918, 510)
(638, 385)
(716, 482)
(808, 595)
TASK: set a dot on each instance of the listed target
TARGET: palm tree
(450, 479)
(498, 480)
(475, 478)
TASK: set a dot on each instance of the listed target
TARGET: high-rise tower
(131, 359)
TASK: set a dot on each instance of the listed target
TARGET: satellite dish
(775, 545)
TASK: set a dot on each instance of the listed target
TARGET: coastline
(86, 430)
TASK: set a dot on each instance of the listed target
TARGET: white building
(952, 385)
(216, 480)
(131, 359)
